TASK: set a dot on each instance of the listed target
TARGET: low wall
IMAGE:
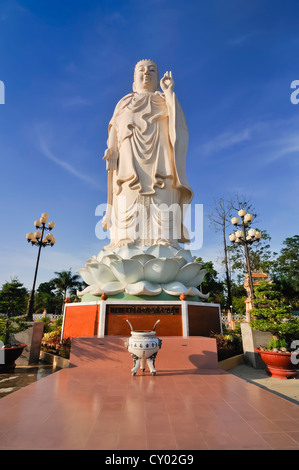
(252, 339)
(231, 362)
(32, 337)
(57, 361)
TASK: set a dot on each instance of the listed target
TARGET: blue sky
(65, 64)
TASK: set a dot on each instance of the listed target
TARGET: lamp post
(241, 237)
(37, 238)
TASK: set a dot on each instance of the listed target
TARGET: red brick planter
(279, 364)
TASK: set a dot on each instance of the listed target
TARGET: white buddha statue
(145, 159)
(148, 192)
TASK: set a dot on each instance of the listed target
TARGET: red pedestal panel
(143, 318)
(176, 319)
(203, 319)
(81, 321)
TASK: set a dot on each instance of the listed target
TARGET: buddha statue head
(146, 76)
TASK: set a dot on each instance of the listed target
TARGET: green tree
(13, 298)
(66, 281)
(239, 295)
(271, 313)
(211, 284)
(285, 270)
(48, 298)
(13, 304)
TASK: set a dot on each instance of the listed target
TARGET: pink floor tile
(190, 404)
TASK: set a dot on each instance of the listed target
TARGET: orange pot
(279, 364)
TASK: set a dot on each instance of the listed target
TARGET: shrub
(229, 344)
(271, 313)
(51, 341)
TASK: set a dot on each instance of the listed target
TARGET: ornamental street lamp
(241, 237)
(37, 238)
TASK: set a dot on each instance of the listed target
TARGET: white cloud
(266, 141)
(65, 165)
(280, 147)
(226, 140)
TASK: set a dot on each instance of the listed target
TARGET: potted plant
(272, 314)
(10, 324)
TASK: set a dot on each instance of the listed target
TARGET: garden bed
(57, 361)
(231, 362)
(229, 345)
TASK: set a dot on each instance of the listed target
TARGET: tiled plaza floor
(190, 404)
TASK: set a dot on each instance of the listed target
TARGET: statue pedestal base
(108, 318)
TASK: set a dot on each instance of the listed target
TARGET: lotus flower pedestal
(140, 270)
(142, 284)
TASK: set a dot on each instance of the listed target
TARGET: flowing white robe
(151, 141)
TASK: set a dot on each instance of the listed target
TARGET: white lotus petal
(143, 288)
(102, 273)
(192, 291)
(127, 251)
(127, 271)
(185, 254)
(180, 260)
(173, 249)
(84, 291)
(161, 270)
(160, 251)
(113, 288)
(97, 290)
(204, 296)
(174, 288)
(143, 258)
(104, 253)
(109, 258)
(187, 274)
(87, 276)
(199, 278)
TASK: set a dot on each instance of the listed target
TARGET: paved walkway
(190, 404)
(288, 388)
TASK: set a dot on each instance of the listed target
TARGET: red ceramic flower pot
(279, 364)
(8, 356)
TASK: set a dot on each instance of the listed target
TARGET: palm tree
(66, 281)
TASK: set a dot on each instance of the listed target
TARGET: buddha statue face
(146, 77)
